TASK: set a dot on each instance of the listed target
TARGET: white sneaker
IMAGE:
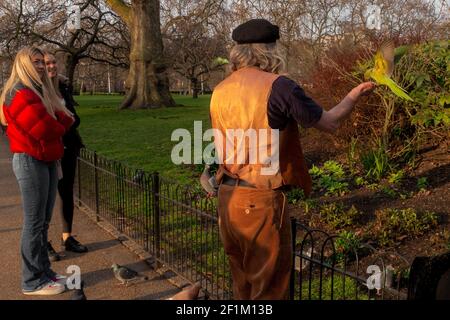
(49, 289)
(59, 279)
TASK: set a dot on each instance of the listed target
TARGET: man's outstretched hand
(361, 90)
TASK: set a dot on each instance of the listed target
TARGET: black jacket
(72, 140)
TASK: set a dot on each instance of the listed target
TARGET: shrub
(403, 126)
(295, 195)
(396, 177)
(394, 225)
(429, 71)
(329, 178)
(334, 169)
(315, 171)
(337, 217)
(347, 244)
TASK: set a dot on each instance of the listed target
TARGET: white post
(109, 81)
(201, 81)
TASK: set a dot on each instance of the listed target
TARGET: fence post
(79, 180)
(148, 210)
(292, 280)
(157, 211)
(121, 197)
(97, 210)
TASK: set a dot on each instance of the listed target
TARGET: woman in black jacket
(72, 145)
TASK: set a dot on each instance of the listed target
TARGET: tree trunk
(195, 89)
(71, 64)
(147, 83)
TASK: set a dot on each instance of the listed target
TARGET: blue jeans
(38, 183)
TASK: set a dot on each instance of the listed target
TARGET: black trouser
(65, 188)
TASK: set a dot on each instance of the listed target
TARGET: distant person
(36, 122)
(72, 145)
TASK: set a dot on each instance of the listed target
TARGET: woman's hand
(363, 89)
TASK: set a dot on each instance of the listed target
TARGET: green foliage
(347, 241)
(401, 277)
(329, 178)
(342, 288)
(334, 169)
(423, 70)
(389, 192)
(396, 177)
(393, 225)
(422, 183)
(295, 195)
(428, 70)
(315, 171)
(374, 187)
(332, 186)
(376, 162)
(360, 181)
(347, 244)
(309, 204)
(337, 217)
(352, 154)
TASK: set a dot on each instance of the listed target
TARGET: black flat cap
(256, 31)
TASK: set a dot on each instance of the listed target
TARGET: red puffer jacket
(31, 129)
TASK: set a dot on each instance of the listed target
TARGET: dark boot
(73, 245)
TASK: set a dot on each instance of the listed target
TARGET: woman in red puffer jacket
(36, 121)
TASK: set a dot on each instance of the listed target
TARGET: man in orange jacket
(257, 105)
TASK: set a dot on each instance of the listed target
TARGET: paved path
(104, 250)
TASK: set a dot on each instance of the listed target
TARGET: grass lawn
(140, 138)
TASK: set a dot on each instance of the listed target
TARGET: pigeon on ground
(190, 293)
(78, 294)
(126, 275)
(208, 182)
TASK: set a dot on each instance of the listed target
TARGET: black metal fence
(178, 226)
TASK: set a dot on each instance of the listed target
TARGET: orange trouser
(256, 234)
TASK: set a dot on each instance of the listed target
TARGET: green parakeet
(383, 69)
(219, 61)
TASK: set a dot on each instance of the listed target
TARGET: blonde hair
(265, 56)
(54, 80)
(24, 72)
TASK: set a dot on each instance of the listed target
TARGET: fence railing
(178, 226)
